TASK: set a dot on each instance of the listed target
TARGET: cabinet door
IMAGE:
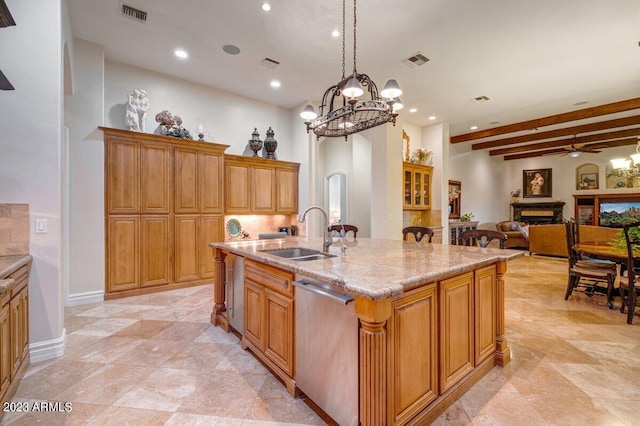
(155, 249)
(413, 358)
(407, 187)
(210, 182)
(254, 313)
(154, 177)
(24, 322)
(236, 189)
(123, 253)
(186, 180)
(15, 320)
(456, 329)
(187, 264)
(417, 189)
(426, 189)
(278, 341)
(263, 189)
(211, 230)
(122, 171)
(5, 350)
(485, 300)
(286, 191)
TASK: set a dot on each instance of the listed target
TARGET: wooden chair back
(347, 228)
(418, 232)
(482, 237)
(628, 287)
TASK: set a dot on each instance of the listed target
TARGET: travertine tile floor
(155, 359)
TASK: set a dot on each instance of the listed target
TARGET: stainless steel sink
(299, 253)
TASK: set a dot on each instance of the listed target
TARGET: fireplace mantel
(537, 213)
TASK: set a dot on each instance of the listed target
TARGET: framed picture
(536, 183)
(589, 181)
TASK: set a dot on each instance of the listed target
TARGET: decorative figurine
(136, 110)
(270, 144)
(255, 143)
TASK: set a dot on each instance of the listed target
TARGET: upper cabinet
(417, 186)
(260, 186)
(197, 174)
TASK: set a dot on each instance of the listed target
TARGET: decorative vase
(515, 200)
(255, 143)
(270, 144)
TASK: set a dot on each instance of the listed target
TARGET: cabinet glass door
(417, 189)
(407, 188)
(426, 197)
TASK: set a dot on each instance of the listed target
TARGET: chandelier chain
(343, 35)
(354, 35)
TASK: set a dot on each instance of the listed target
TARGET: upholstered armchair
(517, 233)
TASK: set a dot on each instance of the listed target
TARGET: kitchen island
(429, 318)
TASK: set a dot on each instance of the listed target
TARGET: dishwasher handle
(323, 290)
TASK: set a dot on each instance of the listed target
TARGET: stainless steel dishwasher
(235, 291)
(327, 349)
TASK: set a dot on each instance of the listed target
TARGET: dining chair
(482, 237)
(346, 228)
(628, 290)
(585, 274)
(418, 232)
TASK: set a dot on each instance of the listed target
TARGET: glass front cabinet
(417, 186)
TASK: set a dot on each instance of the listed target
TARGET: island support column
(373, 316)
(217, 317)
(503, 353)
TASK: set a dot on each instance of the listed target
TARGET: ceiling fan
(576, 148)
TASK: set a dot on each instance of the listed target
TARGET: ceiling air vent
(133, 13)
(269, 63)
(481, 98)
(415, 60)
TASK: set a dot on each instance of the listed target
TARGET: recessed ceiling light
(433, 117)
(335, 33)
(231, 49)
(413, 110)
(275, 83)
(266, 7)
(181, 53)
(473, 127)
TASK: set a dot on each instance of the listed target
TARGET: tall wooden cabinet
(164, 204)
(260, 186)
(417, 186)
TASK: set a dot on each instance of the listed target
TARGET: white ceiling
(531, 58)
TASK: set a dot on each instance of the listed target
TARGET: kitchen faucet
(326, 240)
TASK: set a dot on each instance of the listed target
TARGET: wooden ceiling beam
(575, 130)
(530, 154)
(563, 142)
(580, 114)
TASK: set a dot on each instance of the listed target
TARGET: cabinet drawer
(21, 275)
(270, 277)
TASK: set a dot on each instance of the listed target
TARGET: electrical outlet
(41, 226)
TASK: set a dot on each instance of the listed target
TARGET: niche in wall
(587, 176)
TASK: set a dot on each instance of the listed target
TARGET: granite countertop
(374, 268)
(9, 264)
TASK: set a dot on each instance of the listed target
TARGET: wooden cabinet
(485, 309)
(260, 186)
(417, 186)
(269, 316)
(413, 356)
(14, 332)
(163, 206)
(456, 307)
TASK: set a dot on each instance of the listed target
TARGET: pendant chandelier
(345, 113)
(623, 167)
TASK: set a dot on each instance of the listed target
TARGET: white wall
(84, 112)
(31, 121)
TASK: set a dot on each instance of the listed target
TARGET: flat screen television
(615, 214)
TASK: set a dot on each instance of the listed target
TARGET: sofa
(551, 240)
(517, 233)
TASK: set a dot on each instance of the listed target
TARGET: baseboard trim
(85, 298)
(49, 349)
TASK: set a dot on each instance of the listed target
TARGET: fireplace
(538, 213)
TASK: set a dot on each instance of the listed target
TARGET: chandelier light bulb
(353, 88)
(308, 113)
(620, 163)
(391, 90)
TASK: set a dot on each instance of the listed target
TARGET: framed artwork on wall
(536, 183)
(589, 181)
